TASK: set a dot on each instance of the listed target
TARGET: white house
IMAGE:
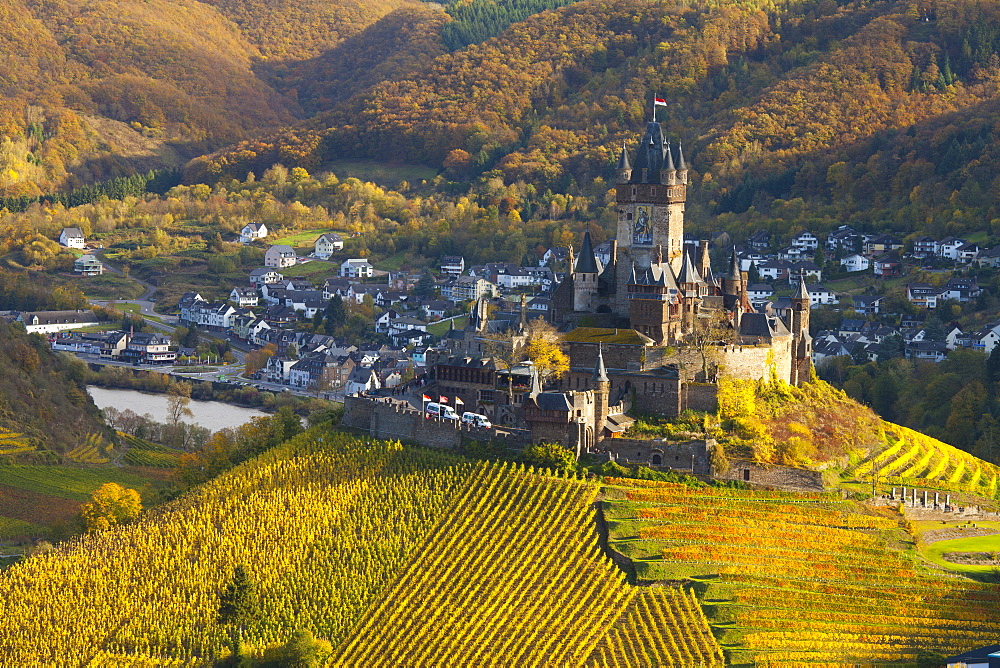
(263, 275)
(72, 237)
(453, 265)
(819, 294)
(362, 379)
(47, 322)
(244, 296)
(252, 231)
(806, 240)
(357, 267)
(948, 247)
(855, 263)
(280, 256)
(760, 292)
(328, 244)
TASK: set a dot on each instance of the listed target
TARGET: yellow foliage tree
(111, 504)
(545, 350)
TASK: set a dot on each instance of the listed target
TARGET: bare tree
(507, 350)
(710, 334)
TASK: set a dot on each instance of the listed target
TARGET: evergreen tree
(425, 286)
(336, 314)
(236, 604)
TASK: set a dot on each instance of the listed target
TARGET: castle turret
(585, 275)
(801, 339)
(624, 171)
(704, 261)
(602, 390)
(682, 170)
(668, 175)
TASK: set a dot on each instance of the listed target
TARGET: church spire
(734, 266)
(803, 291)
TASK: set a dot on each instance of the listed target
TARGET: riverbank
(248, 396)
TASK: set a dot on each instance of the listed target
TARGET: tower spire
(600, 372)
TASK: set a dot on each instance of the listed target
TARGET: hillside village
(414, 316)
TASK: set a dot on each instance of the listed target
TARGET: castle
(652, 330)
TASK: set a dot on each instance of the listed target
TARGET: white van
(441, 410)
(477, 420)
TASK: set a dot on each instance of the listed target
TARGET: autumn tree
(257, 359)
(110, 505)
(178, 402)
(546, 350)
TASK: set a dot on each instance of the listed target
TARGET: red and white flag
(659, 102)
(443, 400)
(425, 397)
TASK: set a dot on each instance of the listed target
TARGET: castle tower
(624, 170)
(602, 390)
(690, 287)
(650, 210)
(585, 275)
(801, 340)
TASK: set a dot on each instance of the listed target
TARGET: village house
(264, 275)
(72, 237)
(462, 288)
(867, 304)
(989, 258)
(759, 241)
(148, 348)
(948, 247)
(961, 289)
(453, 265)
(328, 244)
(244, 297)
(760, 292)
(967, 252)
(280, 256)
(887, 266)
(806, 240)
(855, 262)
(883, 243)
(819, 294)
(362, 379)
(554, 255)
(88, 265)
(357, 267)
(49, 322)
(252, 231)
(924, 295)
(924, 247)
(844, 238)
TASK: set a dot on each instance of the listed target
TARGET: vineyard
(913, 459)
(92, 451)
(798, 580)
(13, 443)
(398, 556)
(140, 452)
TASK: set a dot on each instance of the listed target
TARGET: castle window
(633, 191)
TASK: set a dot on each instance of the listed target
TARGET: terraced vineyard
(90, 452)
(913, 459)
(798, 581)
(141, 452)
(14, 443)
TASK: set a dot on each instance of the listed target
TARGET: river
(212, 415)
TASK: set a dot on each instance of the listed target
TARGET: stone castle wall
(392, 420)
(686, 456)
(784, 477)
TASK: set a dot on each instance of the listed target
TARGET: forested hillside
(812, 113)
(44, 406)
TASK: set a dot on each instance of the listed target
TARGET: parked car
(476, 420)
(444, 411)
